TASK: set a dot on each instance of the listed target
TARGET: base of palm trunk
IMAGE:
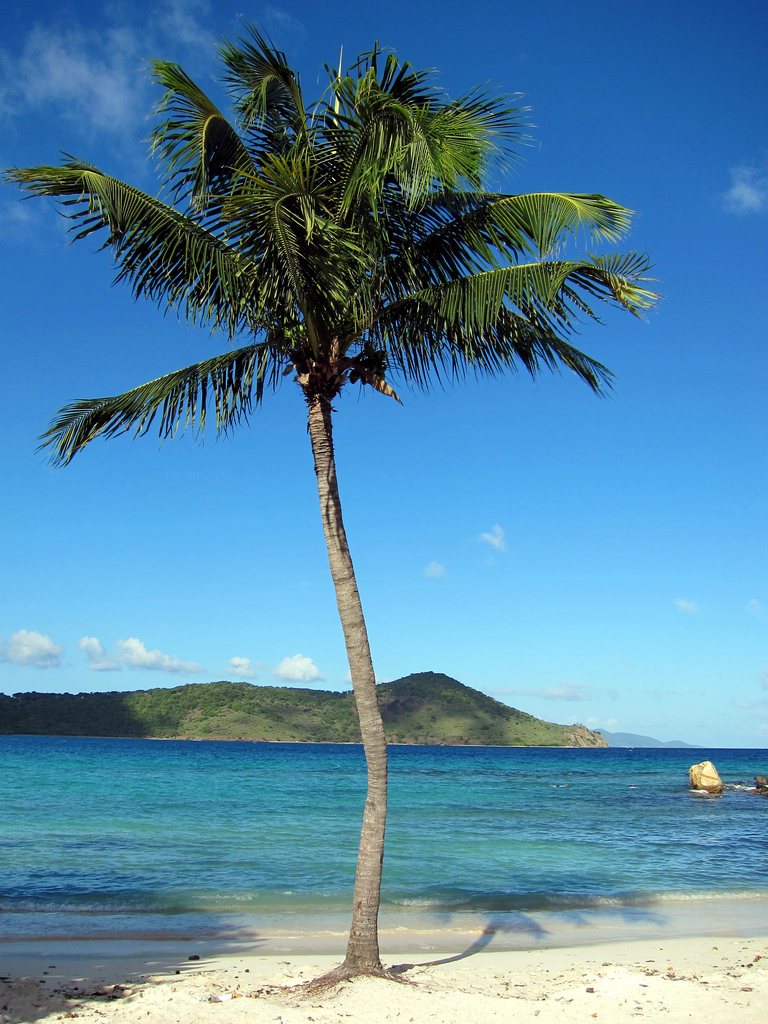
(346, 972)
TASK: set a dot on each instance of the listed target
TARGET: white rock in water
(704, 776)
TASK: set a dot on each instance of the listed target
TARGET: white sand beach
(718, 979)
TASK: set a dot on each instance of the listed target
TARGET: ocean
(254, 844)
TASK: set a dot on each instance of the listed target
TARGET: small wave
(701, 896)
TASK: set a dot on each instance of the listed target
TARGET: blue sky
(583, 560)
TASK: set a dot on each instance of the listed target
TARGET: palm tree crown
(351, 241)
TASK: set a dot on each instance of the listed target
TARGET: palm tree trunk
(363, 946)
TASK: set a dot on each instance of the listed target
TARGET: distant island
(631, 739)
(426, 707)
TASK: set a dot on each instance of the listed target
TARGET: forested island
(426, 707)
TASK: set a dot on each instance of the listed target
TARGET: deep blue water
(118, 831)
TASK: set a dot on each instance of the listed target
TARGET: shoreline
(338, 743)
(414, 930)
(705, 978)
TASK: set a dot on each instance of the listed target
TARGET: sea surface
(130, 839)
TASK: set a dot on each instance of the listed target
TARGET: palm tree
(348, 242)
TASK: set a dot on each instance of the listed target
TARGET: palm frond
(618, 277)
(267, 91)
(545, 288)
(200, 148)
(453, 142)
(424, 349)
(471, 229)
(233, 383)
(522, 315)
(165, 256)
(394, 124)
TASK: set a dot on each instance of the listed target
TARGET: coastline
(706, 977)
(331, 743)
(417, 929)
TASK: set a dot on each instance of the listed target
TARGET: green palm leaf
(267, 92)
(201, 150)
(544, 289)
(233, 383)
(164, 255)
(503, 318)
(478, 228)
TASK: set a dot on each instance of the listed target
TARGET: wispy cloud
(282, 25)
(689, 607)
(97, 78)
(243, 667)
(755, 607)
(17, 219)
(495, 538)
(297, 669)
(764, 679)
(434, 571)
(568, 691)
(98, 659)
(181, 20)
(85, 75)
(135, 655)
(31, 649)
(657, 694)
(749, 190)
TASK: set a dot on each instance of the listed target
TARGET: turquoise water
(134, 837)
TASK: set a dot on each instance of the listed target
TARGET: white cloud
(243, 667)
(297, 669)
(17, 217)
(134, 654)
(30, 648)
(87, 75)
(98, 78)
(749, 190)
(434, 571)
(755, 607)
(180, 22)
(689, 607)
(495, 538)
(98, 659)
(568, 691)
(280, 24)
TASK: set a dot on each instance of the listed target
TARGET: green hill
(426, 707)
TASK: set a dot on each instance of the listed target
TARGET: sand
(700, 979)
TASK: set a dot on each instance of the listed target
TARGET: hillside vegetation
(426, 707)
